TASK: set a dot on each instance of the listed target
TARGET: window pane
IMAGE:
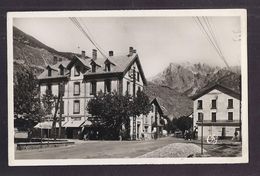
(230, 103)
(49, 72)
(199, 104)
(213, 117)
(200, 116)
(93, 86)
(214, 104)
(76, 88)
(230, 116)
(61, 71)
(76, 107)
(76, 71)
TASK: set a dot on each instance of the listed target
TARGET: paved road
(98, 149)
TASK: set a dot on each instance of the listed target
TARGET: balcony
(219, 122)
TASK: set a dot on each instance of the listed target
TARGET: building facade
(83, 77)
(218, 107)
(154, 121)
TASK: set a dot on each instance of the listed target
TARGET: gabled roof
(84, 62)
(155, 102)
(219, 87)
(121, 65)
(55, 71)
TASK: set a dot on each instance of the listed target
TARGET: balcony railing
(219, 122)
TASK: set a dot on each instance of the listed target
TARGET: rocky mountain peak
(188, 77)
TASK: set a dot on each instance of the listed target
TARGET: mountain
(189, 78)
(31, 53)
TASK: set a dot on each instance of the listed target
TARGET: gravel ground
(174, 150)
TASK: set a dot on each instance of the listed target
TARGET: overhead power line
(207, 30)
(89, 33)
(78, 25)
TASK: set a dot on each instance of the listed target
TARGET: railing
(219, 121)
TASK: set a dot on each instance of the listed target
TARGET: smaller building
(217, 108)
(153, 122)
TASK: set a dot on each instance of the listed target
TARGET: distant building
(154, 121)
(219, 108)
(83, 77)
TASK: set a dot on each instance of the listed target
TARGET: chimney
(131, 51)
(83, 54)
(94, 54)
(111, 53)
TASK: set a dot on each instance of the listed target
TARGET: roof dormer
(49, 70)
(94, 66)
(61, 67)
(108, 65)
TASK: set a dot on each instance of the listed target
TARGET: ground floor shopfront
(73, 129)
(220, 129)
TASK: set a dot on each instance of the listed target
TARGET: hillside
(31, 53)
(176, 104)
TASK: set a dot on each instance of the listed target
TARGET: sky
(158, 40)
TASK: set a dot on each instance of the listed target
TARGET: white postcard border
(130, 13)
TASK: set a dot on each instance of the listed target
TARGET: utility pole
(134, 117)
(156, 123)
(240, 123)
(61, 92)
(202, 135)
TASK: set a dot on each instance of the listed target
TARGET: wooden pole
(134, 118)
(61, 92)
(240, 123)
(202, 135)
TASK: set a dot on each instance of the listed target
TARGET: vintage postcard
(127, 87)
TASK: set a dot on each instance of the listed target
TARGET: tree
(26, 95)
(141, 104)
(171, 126)
(184, 123)
(49, 102)
(111, 113)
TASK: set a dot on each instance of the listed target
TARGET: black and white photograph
(127, 87)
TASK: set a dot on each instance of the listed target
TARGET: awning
(48, 125)
(74, 123)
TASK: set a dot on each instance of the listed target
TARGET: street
(98, 149)
(116, 149)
